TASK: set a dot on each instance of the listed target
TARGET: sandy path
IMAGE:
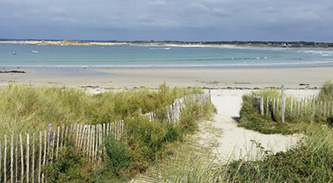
(234, 142)
(224, 139)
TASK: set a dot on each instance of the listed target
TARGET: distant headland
(280, 44)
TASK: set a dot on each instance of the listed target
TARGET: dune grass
(326, 91)
(310, 161)
(295, 119)
(26, 109)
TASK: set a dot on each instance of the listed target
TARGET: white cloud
(163, 15)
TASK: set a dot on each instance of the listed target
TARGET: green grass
(310, 161)
(326, 91)
(27, 109)
(251, 119)
(294, 121)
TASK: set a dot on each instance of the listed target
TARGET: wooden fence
(23, 158)
(287, 108)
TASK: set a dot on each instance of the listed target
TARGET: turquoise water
(39, 56)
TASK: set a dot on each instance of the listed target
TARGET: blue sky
(184, 20)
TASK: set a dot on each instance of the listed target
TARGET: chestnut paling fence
(290, 109)
(24, 157)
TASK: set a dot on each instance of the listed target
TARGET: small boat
(14, 53)
(35, 51)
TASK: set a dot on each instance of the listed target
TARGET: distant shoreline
(225, 44)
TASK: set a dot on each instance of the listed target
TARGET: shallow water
(51, 56)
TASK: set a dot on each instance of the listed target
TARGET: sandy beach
(250, 78)
(221, 135)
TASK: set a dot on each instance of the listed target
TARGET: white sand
(212, 78)
(236, 143)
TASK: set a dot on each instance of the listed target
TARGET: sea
(44, 58)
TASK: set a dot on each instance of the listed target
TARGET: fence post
(16, 159)
(262, 106)
(28, 146)
(33, 158)
(12, 159)
(22, 162)
(282, 103)
(40, 156)
(4, 160)
(57, 147)
(274, 107)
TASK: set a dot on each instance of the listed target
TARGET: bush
(120, 156)
(70, 167)
(173, 134)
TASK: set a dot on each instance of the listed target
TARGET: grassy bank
(310, 161)
(27, 109)
(298, 113)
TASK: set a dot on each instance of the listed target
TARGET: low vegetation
(310, 161)
(27, 109)
(314, 110)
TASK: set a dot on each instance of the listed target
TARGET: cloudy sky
(185, 20)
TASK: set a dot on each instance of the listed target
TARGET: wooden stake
(12, 159)
(33, 158)
(40, 156)
(267, 106)
(282, 104)
(93, 143)
(16, 159)
(88, 141)
(96, 142)
(28, 155)
(57, 148)
(4, 160)
(45, 152)
(62, 135)
(22, 160)
(261, 103)
(274, 107)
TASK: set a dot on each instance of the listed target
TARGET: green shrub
(147, 137)
(120, 156)
(70, 167)
(173, 134)
(194, 112)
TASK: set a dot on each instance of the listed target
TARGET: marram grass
(310, 161)
(27, 109)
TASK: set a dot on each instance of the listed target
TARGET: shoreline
(228, 44)
(214, 78)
